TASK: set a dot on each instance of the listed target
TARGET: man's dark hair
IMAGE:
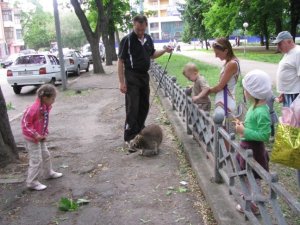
(140, 19)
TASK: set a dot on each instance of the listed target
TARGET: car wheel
(52, 81)
(17, 89)
(88, 68)
(77, 72)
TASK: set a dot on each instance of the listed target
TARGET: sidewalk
(85, 141)
(246, 65)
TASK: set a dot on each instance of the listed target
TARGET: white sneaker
(37, 186)
(54, 175)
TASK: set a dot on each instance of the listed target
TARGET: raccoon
(148, 140)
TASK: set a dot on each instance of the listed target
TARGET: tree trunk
(97, 61)
(262, 42)
(108, 51)
(112, 42)
(295, 16)
(118, 37)
(278, 25)
(106, 25)
(206, 43)
(92, 37)
(266, 32)
(8, 148)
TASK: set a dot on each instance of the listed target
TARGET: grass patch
(255, 54)
(211, 73)
(261, 56)
(71, 93)
(177, 63)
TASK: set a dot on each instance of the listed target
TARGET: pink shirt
(35, 121)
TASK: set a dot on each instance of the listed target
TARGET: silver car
(75, 62)
(86, 51)
(33, 69)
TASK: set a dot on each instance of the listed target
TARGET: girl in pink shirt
(35, 130)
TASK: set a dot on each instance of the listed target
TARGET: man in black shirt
(135, 52)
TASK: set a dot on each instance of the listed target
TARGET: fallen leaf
(182, 190)
(169, 193)
(145, 221)
(82, 201)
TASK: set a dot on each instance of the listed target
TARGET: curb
(16, 117)
(217, 195)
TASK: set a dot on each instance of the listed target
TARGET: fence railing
(222, 149)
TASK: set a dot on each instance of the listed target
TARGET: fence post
(218, 120)
(187, 120)
(164, 82)
(173, 92)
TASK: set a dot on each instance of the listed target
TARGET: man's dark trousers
(137, 103)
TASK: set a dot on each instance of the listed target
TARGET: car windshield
(31, 59)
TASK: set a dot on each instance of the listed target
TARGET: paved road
(19, 102)
(246, 65)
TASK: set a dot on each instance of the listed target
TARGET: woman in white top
(225, 89)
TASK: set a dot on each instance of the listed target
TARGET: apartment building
(165, 23)
(10, 29)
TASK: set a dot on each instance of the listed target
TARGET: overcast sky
(47, 4)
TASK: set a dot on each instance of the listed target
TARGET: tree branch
(83, 20)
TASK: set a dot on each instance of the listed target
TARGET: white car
(75, 62)
(33, 69)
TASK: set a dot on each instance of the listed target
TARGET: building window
(19, 34)
(17, 18)
(155, 36)
(154, 26)
(9, 33)
(7, 15)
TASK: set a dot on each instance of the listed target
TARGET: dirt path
(86, 142)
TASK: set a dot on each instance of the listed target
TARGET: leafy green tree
(295, 16)
(92, 29)
(264, 17)
(71, 31)
(222, 18)
(118, 17)
(38, 27)
(193, 16)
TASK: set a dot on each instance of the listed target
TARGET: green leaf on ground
(66, 205)
(169, 193)
(10, 106)
(182, 190)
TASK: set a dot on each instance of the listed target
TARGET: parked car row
(33, 69)
(75, 61)
(87, 52)
(30, 68)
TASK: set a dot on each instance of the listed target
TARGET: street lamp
(245, 25)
